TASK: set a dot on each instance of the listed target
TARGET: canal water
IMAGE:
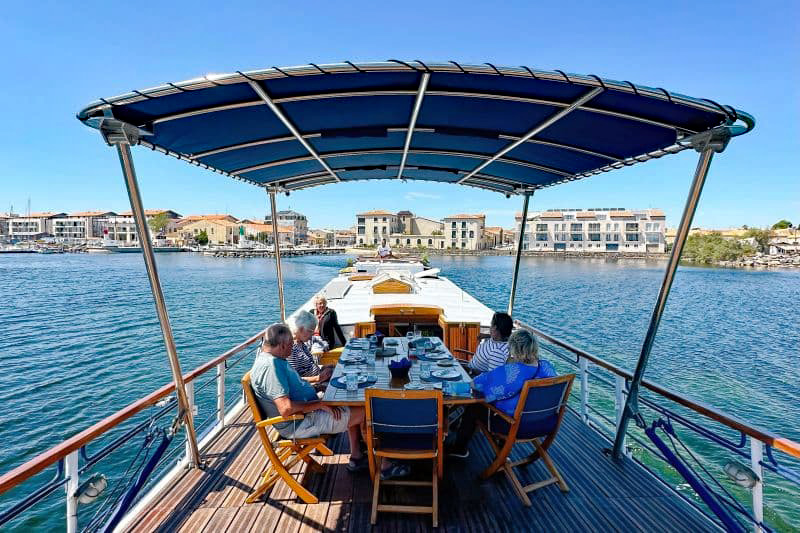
(79, 338)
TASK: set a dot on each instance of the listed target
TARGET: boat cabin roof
(507, 129)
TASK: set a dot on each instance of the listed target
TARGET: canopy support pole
(126, 161)
(423, 84)
(519, 252)
(277, 252)
(707, 143)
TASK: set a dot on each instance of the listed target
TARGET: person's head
(278, 340)
(302, 325)
(523, 348)
(320, 304)
(501, 326)
(383, 242)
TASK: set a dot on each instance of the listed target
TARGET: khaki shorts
(317, 423)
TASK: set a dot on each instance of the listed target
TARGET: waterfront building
(344, 237)
(373, 226)
(4, 218)
(321, 237)
(32, 226)
(122, 227)
(297, 221)
(220, 232)
(495, 236)
(81, 225)
(615, 230)
(263, 233)
(465, 231)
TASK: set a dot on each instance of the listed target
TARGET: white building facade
(32, 226)
(614, 230)
(80, 226)
(374, 226)
(465, 232)
(296, 220)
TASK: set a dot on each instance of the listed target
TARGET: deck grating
(603, 497)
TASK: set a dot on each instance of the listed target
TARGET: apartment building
(31, 226)
(344, 238)
(297, 221)
(615, 230)
(81, 225)
(122, 227)
(4, 218)
(263, 233)
(466, 232)
(373, 226)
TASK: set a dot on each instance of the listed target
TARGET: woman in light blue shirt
(502, 386)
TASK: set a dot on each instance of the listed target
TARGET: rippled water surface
(79, 338)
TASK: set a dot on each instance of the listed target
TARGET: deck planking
(604, 496)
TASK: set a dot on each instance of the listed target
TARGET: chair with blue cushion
(404, 424)
(541, 407)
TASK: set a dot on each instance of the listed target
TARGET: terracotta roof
(376, 212)
(268, 228)
(46, 214)
(493, 228)
(147, 212)
(405, 213)
(620, 214)
(656, 213)
(551, 214)
(586, 214)
(91, 213)
(210, 217)
(466, 216)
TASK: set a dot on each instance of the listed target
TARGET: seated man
(502, 386)
(384, 251)
(493, 352)
(302, 326)
(281, 391)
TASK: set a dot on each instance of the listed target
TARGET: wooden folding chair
(538, 416)
(283, 454)
(404, 425)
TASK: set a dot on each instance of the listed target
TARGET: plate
(414, 386)
(436, 356)
(448, 373)
(390, 342)
(448, 362)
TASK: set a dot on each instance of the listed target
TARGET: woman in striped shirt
(493, 352)
(301, 359)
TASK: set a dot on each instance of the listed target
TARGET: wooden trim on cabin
(406, 309)
(462, 336)
(360, 277)
(362, 329)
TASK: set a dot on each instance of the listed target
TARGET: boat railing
(602, 410)
(73, 460)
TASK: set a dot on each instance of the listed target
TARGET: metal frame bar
(513, 292)
(707, 144)
(291, 127)
(137, 209)
(536, 130)
(260, 142)
(373, 151)
(277, 246)
(458, 94)
(423, 84)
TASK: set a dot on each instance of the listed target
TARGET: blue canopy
(506, 129)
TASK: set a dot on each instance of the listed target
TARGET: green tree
(201, 238)
(714, 247)
(782, 224)
(158, 222)
(263, 236)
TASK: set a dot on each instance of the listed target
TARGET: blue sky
(59, 56)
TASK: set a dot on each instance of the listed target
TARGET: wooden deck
(603, 496)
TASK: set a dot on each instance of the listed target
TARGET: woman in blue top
(502, 386)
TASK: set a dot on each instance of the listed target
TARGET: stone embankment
(457, 252)
(763, 261)
(245, 253)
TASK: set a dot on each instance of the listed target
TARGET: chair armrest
(331, 357)
(495, 411)
(278, 420)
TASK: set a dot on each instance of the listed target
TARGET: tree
(158, 222)
(782, 224)
(201, 238)
(714, 247)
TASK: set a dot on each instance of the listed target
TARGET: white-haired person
(502, 386)
(302, 325)
(280, 391)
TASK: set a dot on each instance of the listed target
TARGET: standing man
(384, 251)
(280, 391)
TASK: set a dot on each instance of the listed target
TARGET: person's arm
(337, 329)
(480, 359)
(287, 407)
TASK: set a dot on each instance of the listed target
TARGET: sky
(59, 56)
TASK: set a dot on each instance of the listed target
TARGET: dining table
(355, 360)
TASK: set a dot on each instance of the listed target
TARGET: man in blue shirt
(280, 391)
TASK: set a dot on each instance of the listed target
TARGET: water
(79, 338)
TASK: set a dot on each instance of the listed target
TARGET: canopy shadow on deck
(604, 496)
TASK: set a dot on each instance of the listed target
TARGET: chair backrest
(258, 416)
(404, 415)
(541, 406)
